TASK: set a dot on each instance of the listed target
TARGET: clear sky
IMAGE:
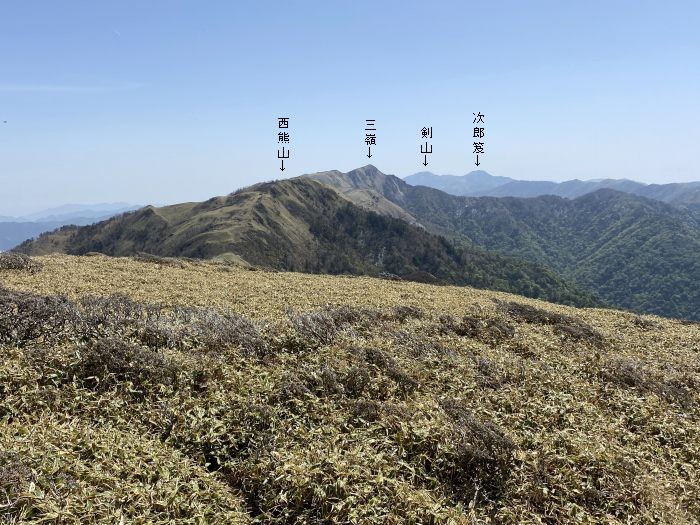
(167, 101)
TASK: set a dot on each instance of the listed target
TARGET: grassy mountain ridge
(301, 225)
(634, 252)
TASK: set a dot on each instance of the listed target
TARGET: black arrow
(425, 162)
(282, 168)
(369, 153)
(477, 160)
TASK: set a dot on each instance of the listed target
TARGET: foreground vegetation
(168, 391)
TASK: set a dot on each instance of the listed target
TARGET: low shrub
(644, 323)
(118, 313)
(15, 477)
(365, 410)
(25, 317)
(356, 380)
(563, 325)
(200, 328)
(156, 259)
(489, 374)
(580, 331)
(215, 331)
(530, 314)
(326, 382)
(492, 331)
(403, 313)
(19, 261)
(481, 456)
(388, 365)
(678, 388)
(318, 327)
(291, 390)
(112, 362)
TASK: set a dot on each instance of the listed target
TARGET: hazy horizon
(86, 204)
(170, 102)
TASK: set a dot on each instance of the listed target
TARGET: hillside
(482, 184)
(633, 252)
(300, 225)
(15, 230)
(13, 233)
(175, 391)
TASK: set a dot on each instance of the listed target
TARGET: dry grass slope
(171, 391)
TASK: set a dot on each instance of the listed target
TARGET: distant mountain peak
(471, 184)
(76, 210)
(478, 173)
(369, 169)
(480, 183)
(13, 231)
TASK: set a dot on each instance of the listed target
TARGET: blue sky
(162, 102)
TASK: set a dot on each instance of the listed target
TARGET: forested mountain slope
(634, 252)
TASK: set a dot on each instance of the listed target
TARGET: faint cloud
(67, 88)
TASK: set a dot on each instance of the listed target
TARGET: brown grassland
(150, 390)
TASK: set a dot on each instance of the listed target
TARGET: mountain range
(482, 184)
(301, 225)
(606, 245)
(631, 251)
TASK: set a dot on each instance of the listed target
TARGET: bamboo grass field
(155, 390)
